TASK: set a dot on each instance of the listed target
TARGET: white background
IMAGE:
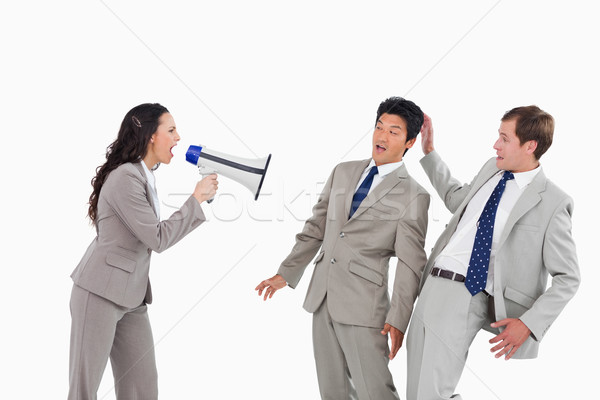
(299, 80)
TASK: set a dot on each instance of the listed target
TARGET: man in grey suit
(368, 211)
(510, 231)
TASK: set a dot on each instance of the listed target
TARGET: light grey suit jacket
(352, 267)
(116, 264)
(536, 243)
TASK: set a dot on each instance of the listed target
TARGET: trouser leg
(93, 324)
(366, 351)
(352, 361)
(132, 357)
(332, 371)
(443, 326)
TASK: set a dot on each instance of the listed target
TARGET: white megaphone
(248, 172)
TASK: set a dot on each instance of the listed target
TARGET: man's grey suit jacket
(116, 264)
(352, 267)
(536, 243)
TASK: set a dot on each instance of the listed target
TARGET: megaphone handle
(204, 176)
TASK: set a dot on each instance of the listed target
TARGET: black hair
(407, 110)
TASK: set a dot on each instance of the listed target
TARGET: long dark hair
(131, 145)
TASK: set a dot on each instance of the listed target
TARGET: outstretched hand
(270, 286)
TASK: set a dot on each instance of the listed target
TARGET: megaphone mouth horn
(233, 164)
(262, 178)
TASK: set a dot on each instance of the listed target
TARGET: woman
(111, 286)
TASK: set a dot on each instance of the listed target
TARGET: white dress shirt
(456, 255)
(382, 171)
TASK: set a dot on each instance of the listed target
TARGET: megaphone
(249, 172)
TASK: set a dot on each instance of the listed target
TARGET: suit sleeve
(560, 260)
(126, 195)
(450, 189)
(409, 248)
(309, 240)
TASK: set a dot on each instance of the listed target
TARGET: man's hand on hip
(511, 338)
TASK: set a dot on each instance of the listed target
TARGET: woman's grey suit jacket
(115, 265)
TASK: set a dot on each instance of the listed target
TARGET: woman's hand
(206, 188)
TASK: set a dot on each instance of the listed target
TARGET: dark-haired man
(511, 230)
(368, 211)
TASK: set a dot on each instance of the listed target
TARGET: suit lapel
(388, 183)
(486, 176)
(149, 189)
(528, 200)
(482, 178)
(352, 181)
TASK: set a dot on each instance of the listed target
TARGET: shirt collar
(522, 179)
(385, 169)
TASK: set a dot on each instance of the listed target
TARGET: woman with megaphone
(111, 287)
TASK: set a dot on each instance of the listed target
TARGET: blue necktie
(362, 191)
(482, 247)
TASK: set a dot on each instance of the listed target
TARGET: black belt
(453, 276)
(442, 273)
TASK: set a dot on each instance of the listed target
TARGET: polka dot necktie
(363, 190)
(482, 247)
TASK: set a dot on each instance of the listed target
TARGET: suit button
(333, 260)
(149, 251)
(342, 234)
